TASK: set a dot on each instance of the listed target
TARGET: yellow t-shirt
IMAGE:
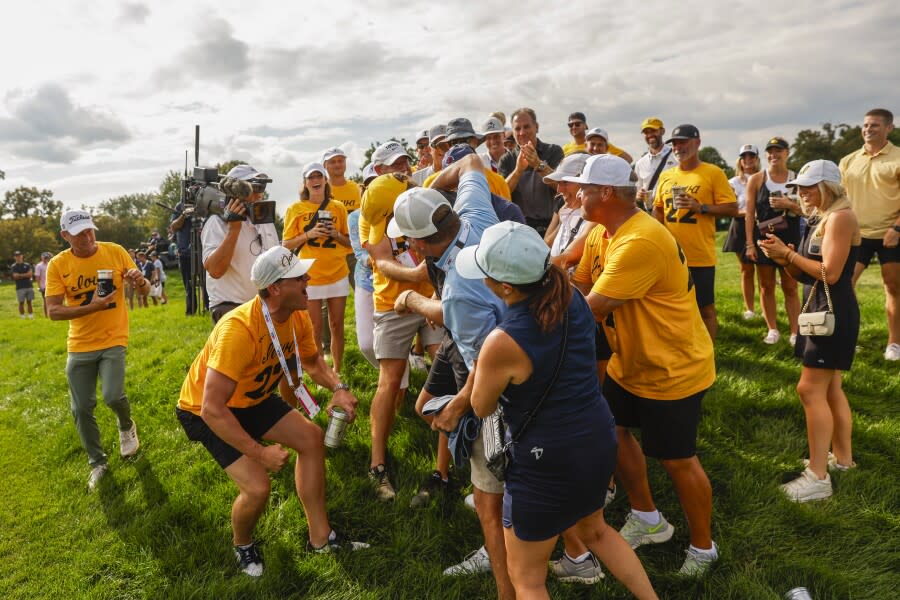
(661, 349)
(873, 186)
(572, 148)
(696, 233)
(496, 183)
(240, 348)
(330, 265)
(591, 264)
(376, 212)
(75, 279)
(347, 194)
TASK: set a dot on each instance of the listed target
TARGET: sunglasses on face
(575, 123)
(421, 145)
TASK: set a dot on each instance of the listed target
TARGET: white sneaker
(696, 564)
(128, 441)
(772, 337)
(637, 533)
(749, 315)
(808, 487)
(476, 562)
(566, 570)
(31, 316)
(892, 352)
(833, 463)
(793, 339)
(417, 362)
(470, 501)
(96, 475)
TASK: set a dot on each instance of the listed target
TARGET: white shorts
(338, 289)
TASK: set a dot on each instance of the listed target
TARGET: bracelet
(791, 258)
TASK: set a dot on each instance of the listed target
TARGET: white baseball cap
(595, 132)
(331, 153)
(368, 172)
(74, 222)
(509, 252)
(413, 211)
(748, 148)
(815, 171)
(604, 169)
(388, 153)
(492, 125)
(437, 134)
(243, 172)
(314, 167)
(277, 263)
(571, 166)
(422, 135)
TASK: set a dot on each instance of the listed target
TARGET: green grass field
(159, 526)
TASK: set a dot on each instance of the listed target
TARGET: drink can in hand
(337, 425)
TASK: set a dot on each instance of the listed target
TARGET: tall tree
(711, 155)
(29, 236)
(24, 202)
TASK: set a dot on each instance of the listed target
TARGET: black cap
(778, 142)
(459, 129)
(577, 116)
(684, 132)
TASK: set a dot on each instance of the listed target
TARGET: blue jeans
(82, 370)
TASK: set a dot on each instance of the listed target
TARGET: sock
(332, 536)
(709, 552)
(650, 518)
(243, 546)
(581, 558)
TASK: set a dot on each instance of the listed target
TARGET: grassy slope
(159, 524)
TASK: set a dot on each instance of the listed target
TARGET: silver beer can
(337, 425)
(798, 593)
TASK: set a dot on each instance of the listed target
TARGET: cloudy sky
(100, 98)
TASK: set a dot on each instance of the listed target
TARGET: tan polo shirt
(873, 185)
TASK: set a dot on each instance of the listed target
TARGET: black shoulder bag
(496, 453)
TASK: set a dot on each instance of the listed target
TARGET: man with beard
(658, 158)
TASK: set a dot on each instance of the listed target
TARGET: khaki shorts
(394, 334)
(482, 478)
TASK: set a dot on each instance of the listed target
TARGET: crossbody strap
(553, 379)
(812, 292)
(659, 170)
(314, 221)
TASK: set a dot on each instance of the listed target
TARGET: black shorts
(602, 351)
(705, 284)
(448, 371)
(256, 421)
(668, 427)
(869, 247)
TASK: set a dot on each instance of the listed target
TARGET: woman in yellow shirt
(317, 226)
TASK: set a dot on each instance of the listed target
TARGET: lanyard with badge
(457, 246)
(300, 390)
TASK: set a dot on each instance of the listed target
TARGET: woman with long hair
(538, 365)
(767, 200)
(736, 241)
(828, 249)
(318, 227)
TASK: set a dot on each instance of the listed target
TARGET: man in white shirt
(658, 158)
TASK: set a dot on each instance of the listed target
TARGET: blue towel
(460, 439)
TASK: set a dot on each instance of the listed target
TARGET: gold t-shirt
(330, 265)
(695, 232)
(240, 348)
(661, 348)
(75, 279)
(347, 194)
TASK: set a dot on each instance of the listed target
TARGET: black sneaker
(250, 559)
(383, 488)
(432, 486)
(336, 543)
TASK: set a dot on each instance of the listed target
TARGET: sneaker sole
(655, 538)
(578, 579)
(818, 496)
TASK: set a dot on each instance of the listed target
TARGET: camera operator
(182, 222)
(231, 242)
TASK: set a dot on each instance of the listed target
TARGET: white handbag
(817, 323)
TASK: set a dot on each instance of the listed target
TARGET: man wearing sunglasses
(231, 243)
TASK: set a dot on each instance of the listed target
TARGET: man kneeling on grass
(229, 402)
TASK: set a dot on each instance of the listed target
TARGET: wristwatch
(703, 209)
(542, 166)
(340, 386)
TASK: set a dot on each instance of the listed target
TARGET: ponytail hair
(548, 298)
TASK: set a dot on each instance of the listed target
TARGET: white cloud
(275, 86)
